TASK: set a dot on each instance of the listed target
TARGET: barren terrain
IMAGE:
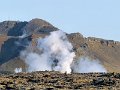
(55, 80)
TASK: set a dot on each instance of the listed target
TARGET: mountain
(15, 35)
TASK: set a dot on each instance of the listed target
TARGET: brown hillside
(107, 51)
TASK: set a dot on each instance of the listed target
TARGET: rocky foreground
(55, 80)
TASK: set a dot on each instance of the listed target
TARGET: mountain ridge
(107, 51)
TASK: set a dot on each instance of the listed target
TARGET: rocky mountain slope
(15, 35)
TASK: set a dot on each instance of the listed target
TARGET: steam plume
(18, 70)
(85, 65)
(56, 54)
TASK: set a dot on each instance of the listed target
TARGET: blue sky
(99, 18)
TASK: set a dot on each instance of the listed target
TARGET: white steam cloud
(85, 65)
(18, 70)
(55, 52)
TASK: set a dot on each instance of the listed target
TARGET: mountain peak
(40, 22)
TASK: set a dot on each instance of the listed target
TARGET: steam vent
(36, 55)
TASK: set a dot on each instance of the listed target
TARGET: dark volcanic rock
(56, 80)
(10, 49)
(17, 29)
(6, 26)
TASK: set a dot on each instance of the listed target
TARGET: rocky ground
(55, 80)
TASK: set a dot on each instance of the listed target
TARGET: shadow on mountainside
(12, 48)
